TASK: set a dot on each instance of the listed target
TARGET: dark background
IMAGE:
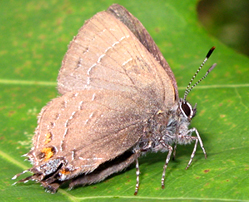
(228, 21)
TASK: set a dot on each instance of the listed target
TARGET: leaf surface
(34, 38)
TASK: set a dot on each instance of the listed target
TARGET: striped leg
(197, 139)
(137, 173)
(170, 149)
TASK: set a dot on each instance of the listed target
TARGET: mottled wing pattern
(107, 55)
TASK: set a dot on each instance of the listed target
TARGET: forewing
(137, 28)
(89, 127)
(107, 55)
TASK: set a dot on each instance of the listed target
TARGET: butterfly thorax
(167, 128)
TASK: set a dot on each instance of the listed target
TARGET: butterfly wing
(79, 131)
(107, 55)
(110, 85)
(137, 28)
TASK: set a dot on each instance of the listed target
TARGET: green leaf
(33, 40)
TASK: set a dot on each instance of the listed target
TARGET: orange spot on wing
(48, 138)
(65, 171)
(48, 152)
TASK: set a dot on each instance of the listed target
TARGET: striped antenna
(189, 87)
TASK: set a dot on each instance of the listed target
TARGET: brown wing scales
(90, 127)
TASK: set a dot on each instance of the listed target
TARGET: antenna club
(210, 52)
(189, 87)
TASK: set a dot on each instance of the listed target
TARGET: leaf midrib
(51, 83)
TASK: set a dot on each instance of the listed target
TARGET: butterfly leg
(174, 152)
(170, 149)
(197, 139)
(137, 179)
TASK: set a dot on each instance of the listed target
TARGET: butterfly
(119, 100)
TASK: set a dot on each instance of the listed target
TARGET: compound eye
(187, 109)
